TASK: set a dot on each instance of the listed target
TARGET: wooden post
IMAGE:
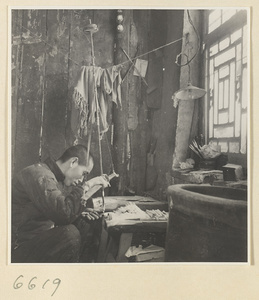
(137, 123)
(120, 116)
(188, 111)
(165, 119)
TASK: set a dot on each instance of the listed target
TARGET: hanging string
(96, 102)
(168, 44)
(127, 61)
(78, 64)
(41, 123)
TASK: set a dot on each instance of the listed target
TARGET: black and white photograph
(129, 136)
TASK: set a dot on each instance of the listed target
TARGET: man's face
(76, 172)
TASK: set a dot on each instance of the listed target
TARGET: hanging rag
(108, 85)
(83, 104)
(110, 91)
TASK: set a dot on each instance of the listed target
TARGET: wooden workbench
(112, 251)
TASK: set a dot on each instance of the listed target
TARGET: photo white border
(155, 282)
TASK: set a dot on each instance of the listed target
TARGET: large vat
(206, 224)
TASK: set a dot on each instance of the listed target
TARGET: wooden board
(56, 83)
(79, 55)
(16, 74)
(138, 137)
(30, 90)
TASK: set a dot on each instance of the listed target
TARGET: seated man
(43, 211)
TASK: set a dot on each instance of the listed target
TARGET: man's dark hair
(79, 151)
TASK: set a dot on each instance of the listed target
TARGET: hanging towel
(112, 83)
(83, 105)
(110, 91)
(108, 85)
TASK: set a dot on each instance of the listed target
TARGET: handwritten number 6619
(31, 285)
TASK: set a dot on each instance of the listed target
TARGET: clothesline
(127, 61)
(168, 44)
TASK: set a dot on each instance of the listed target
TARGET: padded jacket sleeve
(44, 191)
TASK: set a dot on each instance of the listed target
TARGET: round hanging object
(119, 18)
(120, 28)
(91, 28)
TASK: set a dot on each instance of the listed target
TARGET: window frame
(236, 22)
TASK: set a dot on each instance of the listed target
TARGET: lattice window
(227, 81)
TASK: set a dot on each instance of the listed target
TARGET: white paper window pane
(226, 93)
(211, 120)
(224, 146)
(232, 92)
(224, 44)
(223, 117)
(245, 44)
(211, 74)
(215, 102)
(236, 35)
(214, 49)
(223, 72)
(214, 20)
(244, 89)
(221, 94)
(227, 14)
(224, 57)
(243, 133)
(234, 147)
(224, 132)
(237, 118)
(238, 60)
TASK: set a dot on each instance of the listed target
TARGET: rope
(127, 61)
(96, 103)
(97, 115)
(41, 122)
(168, 44)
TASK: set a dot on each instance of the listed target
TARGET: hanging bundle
(108, 85)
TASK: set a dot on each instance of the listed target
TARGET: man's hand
(91, 214)
(99, 180)
(103, 180)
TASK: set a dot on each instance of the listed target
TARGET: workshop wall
(48, 49)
